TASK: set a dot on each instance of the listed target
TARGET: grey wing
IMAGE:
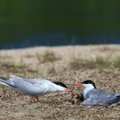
(102, 97)
(91, 101)
(18, 80)
(30, 86)
(32, 81)
(7, 82)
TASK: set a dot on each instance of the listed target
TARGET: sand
(57, 106)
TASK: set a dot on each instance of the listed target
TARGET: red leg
(34, 99)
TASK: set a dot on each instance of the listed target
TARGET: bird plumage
(32, 87)
(97, 96)
(94, 96)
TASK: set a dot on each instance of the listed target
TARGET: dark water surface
(25, 23)
(58, 39)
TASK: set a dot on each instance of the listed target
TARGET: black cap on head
(89, 82)
(61, 84)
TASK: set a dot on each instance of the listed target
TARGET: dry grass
(47, 57)
(78, 63)
(12, 68)
(102, 62)
(117, 62)
(56, 106)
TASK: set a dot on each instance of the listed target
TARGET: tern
(33, 87)
(94, 96)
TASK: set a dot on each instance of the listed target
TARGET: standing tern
(33, 87)
(94, 96)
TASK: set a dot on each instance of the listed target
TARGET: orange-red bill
(67, 90)
(77, 85)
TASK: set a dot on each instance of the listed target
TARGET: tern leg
(34, 99)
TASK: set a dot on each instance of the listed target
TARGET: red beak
(78, 84)
(67, 90)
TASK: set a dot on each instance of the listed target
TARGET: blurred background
(26, 23)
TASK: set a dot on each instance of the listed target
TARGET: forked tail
(118, 96)
(4, 81)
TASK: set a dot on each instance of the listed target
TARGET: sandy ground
(56, 106)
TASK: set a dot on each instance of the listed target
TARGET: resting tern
(94, 96)
(33, 87)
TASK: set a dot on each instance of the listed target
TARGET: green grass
(99, 62)
(77, 63)
(10, 67)
(103, 63)
(117, 62)
(47, 57)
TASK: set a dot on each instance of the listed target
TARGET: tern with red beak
(94, 96)
(33, 87)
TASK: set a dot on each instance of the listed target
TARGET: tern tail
(118, 97)
(4, 81)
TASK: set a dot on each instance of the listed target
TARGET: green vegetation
(10, 67)
(102, 62)
(77, 64)
(117, 62)
(99, 62)
(47, 57)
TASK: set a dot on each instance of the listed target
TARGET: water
(25, 23)
(58, 39)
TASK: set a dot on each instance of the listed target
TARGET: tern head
(86, 84)
(62, 87)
